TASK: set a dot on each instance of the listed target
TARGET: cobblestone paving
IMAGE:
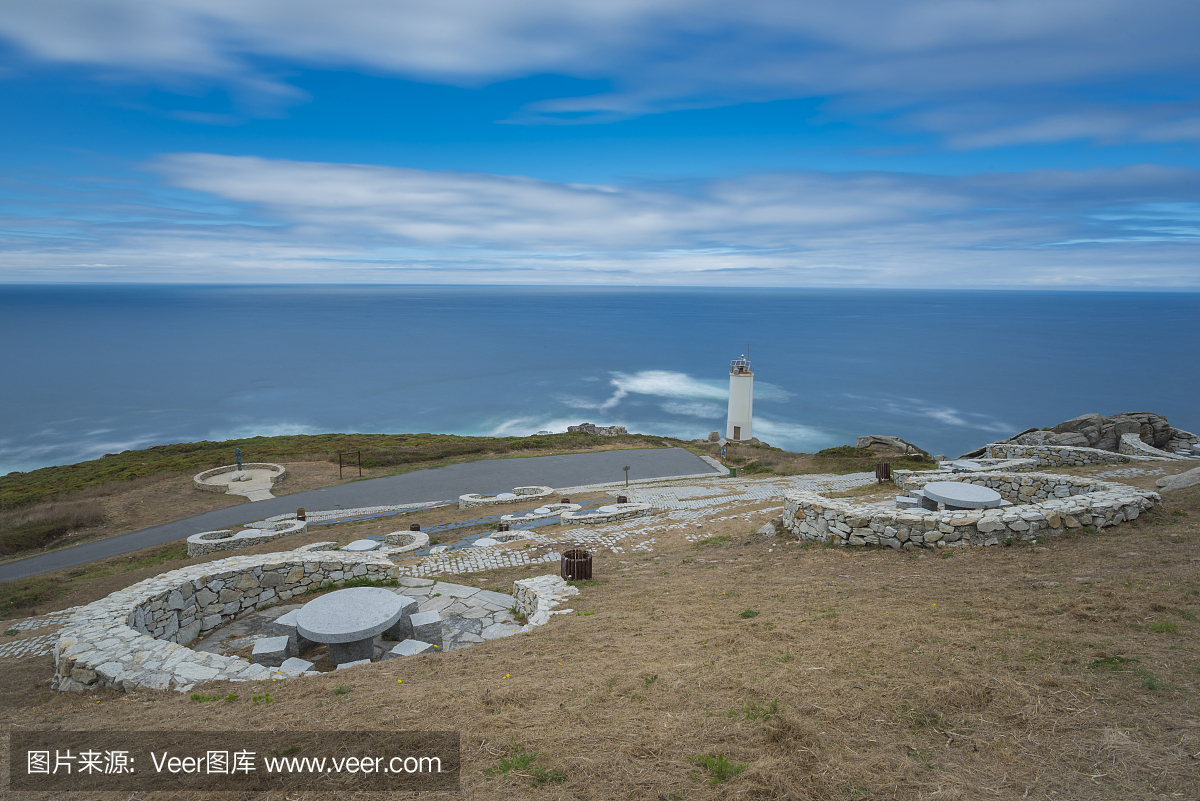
(31, 646)
(685, 502)
(1129, 472)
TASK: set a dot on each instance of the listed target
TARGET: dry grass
(1004, 673)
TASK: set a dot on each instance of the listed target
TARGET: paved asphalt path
(441, 483)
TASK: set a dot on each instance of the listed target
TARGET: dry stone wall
(1045, 505)
(1056, 455)
(1132, 445)
(137, 637)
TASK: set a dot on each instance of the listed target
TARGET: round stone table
(348, 620)
(960, 495)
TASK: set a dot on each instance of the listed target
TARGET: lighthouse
(741, 400)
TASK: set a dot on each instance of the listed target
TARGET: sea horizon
(97, 368)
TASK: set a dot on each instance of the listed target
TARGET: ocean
(95, 369)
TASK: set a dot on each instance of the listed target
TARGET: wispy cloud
(932, 57)
(249, 219)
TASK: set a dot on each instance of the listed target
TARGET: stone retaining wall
(1132, 445)
(1047, 505)
(1055, 455)
(207, 542)
(1020, 488)
(136, 637)
(536, 598)
(522, 494)
(198, 480)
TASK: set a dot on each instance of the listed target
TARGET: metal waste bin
(733, 472)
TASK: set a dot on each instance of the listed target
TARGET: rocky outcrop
(890, 446)
(604, 431)
(1104, 433)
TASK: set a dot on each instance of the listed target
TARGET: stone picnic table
(348, 620)
(960, 495)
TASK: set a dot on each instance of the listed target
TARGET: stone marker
(409, 648)
(270, 651)
(427, 627)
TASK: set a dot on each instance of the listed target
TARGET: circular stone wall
(201, 480)
(137, 636)
(518, 495)
(1045, 504)
(207, 542)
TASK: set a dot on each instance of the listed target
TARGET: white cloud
(659, 55)
(250, 219)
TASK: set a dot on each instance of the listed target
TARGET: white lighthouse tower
(741, 400)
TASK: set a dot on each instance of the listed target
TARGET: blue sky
(921, 143)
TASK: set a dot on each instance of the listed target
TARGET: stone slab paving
(686, 502)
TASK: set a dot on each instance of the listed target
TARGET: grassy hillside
(19, 490)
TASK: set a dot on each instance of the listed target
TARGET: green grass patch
(748, 613)
(1165, 627)
(157, 558)
(756, 712)
(713, 542)
(848, 459)
(719, 767)
(542, 777)
(1115, 664)
(521, 760)
(362, 581)
(18, 595)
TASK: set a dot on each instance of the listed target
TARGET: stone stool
(270, 651)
